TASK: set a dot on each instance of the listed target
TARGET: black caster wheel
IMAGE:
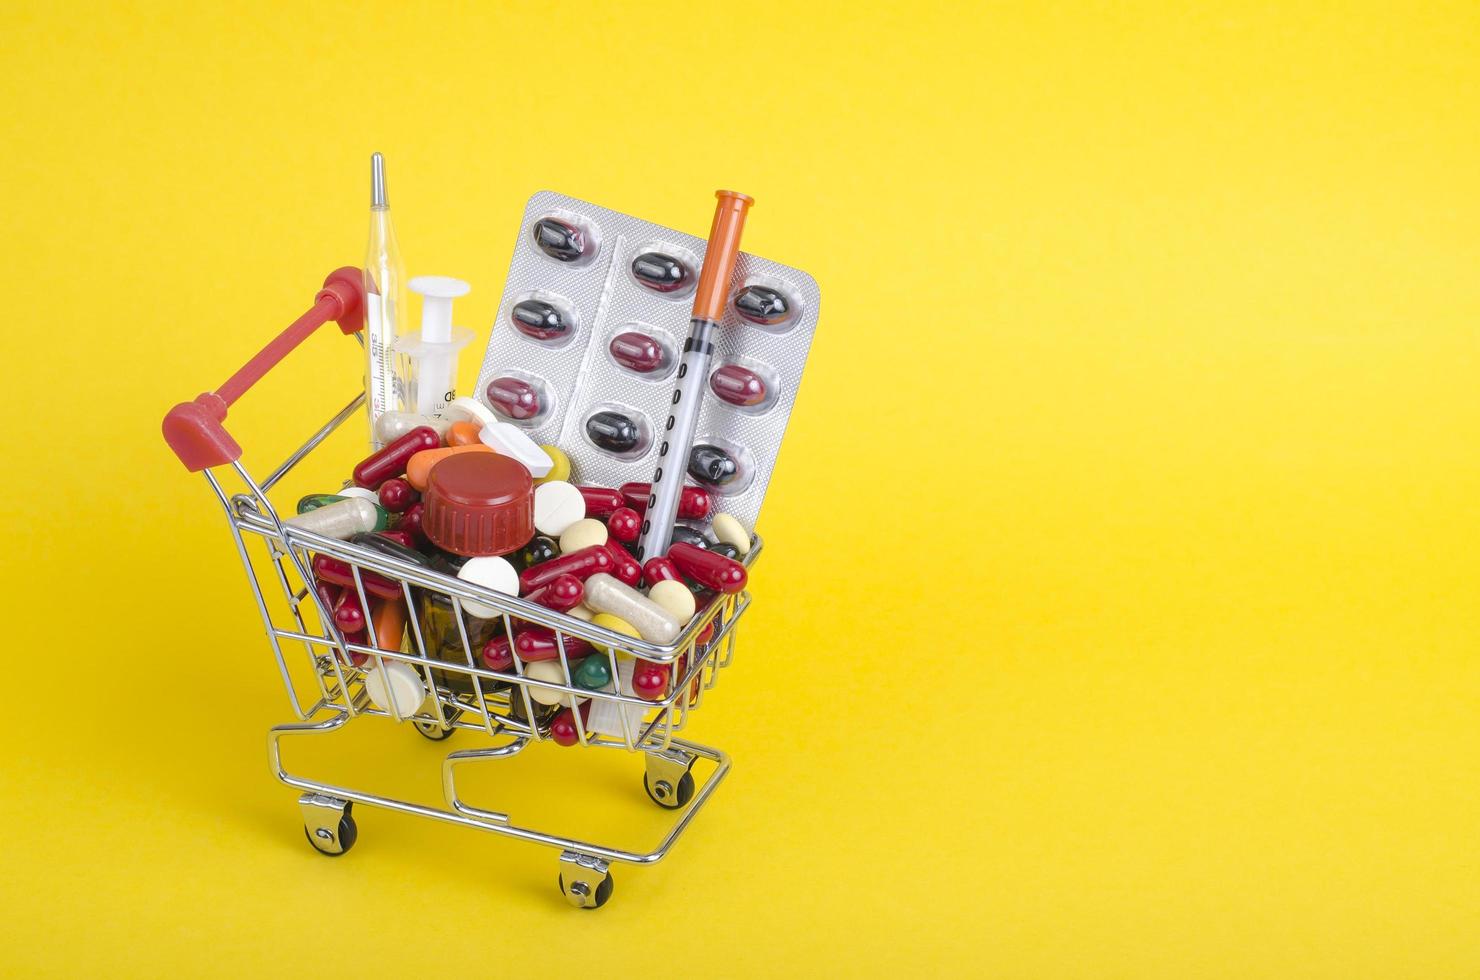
(580, 895)
(325, 844)
(670, 797)
(432, 731)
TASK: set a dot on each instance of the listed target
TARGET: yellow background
(1119, 611)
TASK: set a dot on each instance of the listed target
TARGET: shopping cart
(329, 688)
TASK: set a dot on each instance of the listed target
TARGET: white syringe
(433, 349)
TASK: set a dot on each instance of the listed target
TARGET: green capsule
(316, 500)
(593, 673)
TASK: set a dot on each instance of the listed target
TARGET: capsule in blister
(660, 272)
(637, 352)
(693, 502)
(762, 304)
(738, 385)
(560, 240)
(540, 320)
(614, 432)
(711, 464)
(515, 398)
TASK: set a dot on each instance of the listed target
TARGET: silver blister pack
(586, 342)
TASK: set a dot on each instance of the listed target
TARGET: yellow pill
(674, 597)
(561, 468)
(582, 534)
(614, 624)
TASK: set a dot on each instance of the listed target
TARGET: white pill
(508, 439)
(491, 572)
(582, 611)
(406, 694)
(582, 534)
(728, 530)
(551, 672)
(557, 505)
(465, 409)
(391, 426)
(616, 598)
(361, 492)
(674, 597)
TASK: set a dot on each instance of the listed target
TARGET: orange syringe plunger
(719, 256)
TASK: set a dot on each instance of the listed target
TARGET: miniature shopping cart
(462, 693)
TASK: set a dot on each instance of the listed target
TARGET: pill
(636, 352)
(712, 464)
(601, 501)
(726, 549)
(559, 465)
(693, 502)
(582, 564)
(625, 568)
(419, 467)
(348, 615)
(390, 426)
(536, 643)
(617, 625)
(689, 535)
(559, 239)
(342, 519)
(675, 597)
(582, 612)
(339, 572)
(491, 572)
(613, 431)
(462, 434)
(738, 386)
(728, 530)
(381, 544)
(355, 656)
(653, 623)
(762, 304)
(540, 320)
(316, 500)
(508, 439)
(391, 461)
(708, 569)
(498, 653)
(650, 680)
(656, 570)
(557, 505)
(396, 495)
(410, 523)
(593, 672)
(388, 620)
(539, 549)
(582, 534)
(465, 409)
(399, 537)
(661, 272)
(550, 672)
(364, 493)
(625, 524)
(395, 687)
(563, 730)
(514, 397)
(560, 593)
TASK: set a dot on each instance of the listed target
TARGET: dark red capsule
(410, 522)
(514, 397)
(582, 564)
(538, 319)
(535, 643)
(348, 615)
(656, 570)
(650, 680)
(660, 272)
(559, 239)
(738, 385)
(390, 461)
(707, 568)
(563, 729)
(396, 495)
(560, 593)
(624, 524)
(600, 501)
(624, 566)
(403, 538)
(336, 571)
(693, 502)
(498, 654)
(636, 352)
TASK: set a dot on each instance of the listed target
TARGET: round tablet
(675, 597)
(557, 505)
(491, 572)
(728, 529)
(468, 409)
(406, 693)
(582, 534)
(559, 468)
(551, 672)
(364, 492)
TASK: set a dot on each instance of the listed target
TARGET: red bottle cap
(479, 504)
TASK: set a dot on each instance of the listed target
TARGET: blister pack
(586, 345)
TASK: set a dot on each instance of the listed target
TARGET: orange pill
(463, 434)
(388, 616)
(419, 467)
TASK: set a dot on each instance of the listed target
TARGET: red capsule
(706, 634)
(738, 386)
(497, 654)
(624, 524)
(710, 570)
(600, 501)
(636, 352)
(624, 566)
(562, 593)
(563, 726)
(396, 495)
(534, 643)
(656, 570)
(582, 564)
(404, 538)
(390, 461)
(328, 593)
(348, 615)
(359, 639)
(336, 571)
(514, 397)
(693, 502)
(410, 523)
(650, 680)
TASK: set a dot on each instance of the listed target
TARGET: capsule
(738, 385)
(380, 543)
(582, 564)
(348, 615)
(613, 431)
(342, 519)
(713, 465)
(560, 593)
(419, 467)
(593, 672)
(563, 730)
(396, 495)
(515, 398)
(391, 461)
(656, 570)
(536, 643)
(600, 501)
(498, 654)
(464, 434)
(650, 680)
(388, 619)
(690, 536)
(660, 272)
(624, 524)
(652, 622)
(624, 567)
(636, 352)
(707, 568)
(339, 572)
(762, 304)
(725, 548)
(410, 523)
(693, 502)
(540, 549)
(399, 537)
(559, 239)
(540, 320)
(390, 426)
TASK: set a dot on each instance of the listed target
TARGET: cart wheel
(331, 843)
(433, 731)
(666, 794)
(581, 896)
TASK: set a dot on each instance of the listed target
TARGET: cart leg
(668, 779)
(585, 881)
(328, 823)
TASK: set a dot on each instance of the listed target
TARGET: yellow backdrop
(1119, 612)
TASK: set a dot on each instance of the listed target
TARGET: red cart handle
(193, 429)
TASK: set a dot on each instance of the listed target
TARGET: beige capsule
(652, 622)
